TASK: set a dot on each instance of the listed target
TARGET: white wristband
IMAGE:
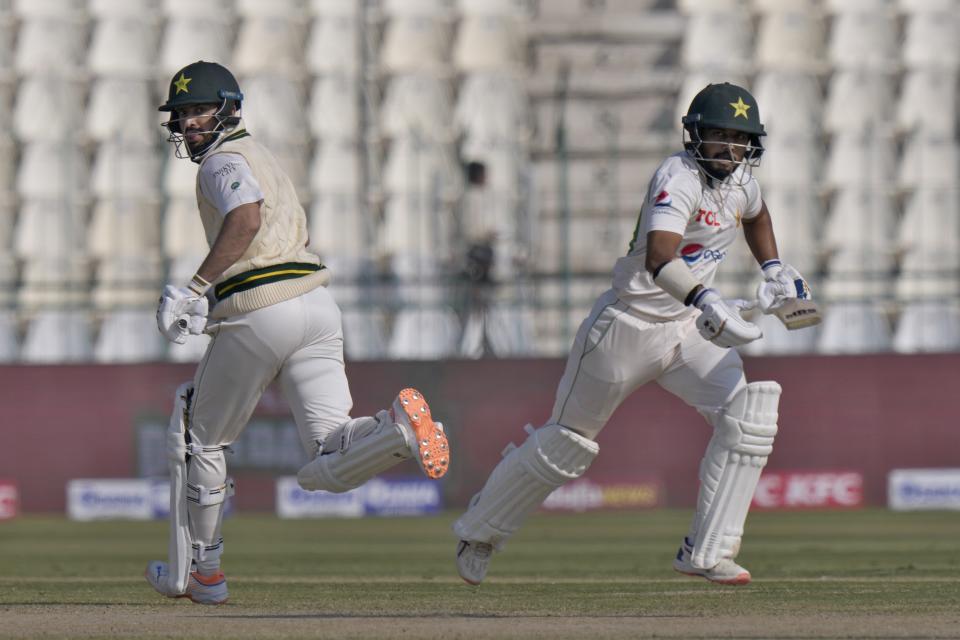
(199, 285)
(676, 279)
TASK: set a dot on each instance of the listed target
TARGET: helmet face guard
(226, 119)
(202, 83)
(727, 107)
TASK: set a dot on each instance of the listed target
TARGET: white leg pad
(550, 457)
(354, 453)
(741, 443)
(180, 547)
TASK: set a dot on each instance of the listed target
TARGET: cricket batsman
(261, 296)
(663, 321)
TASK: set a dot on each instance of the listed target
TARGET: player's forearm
(760, 237)
(239, 229)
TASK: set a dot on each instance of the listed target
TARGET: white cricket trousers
(615, 352)
(298, 342)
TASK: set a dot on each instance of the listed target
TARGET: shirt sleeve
(673, 200)
(754, 202)
(227, 181)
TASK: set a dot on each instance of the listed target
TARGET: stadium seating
(415, 129)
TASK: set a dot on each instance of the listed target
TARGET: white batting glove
(181, 313)
(781, 283)
(720, 321)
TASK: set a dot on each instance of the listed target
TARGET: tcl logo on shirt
(708, 218)
(809, 490)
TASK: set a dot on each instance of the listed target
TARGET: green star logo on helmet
(181, 83)
(740, 108)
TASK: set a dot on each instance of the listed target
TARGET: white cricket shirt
(709, 219)
(227, 181)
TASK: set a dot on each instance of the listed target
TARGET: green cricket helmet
(724, 106)
(202, 83)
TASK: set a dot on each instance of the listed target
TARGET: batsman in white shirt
(662, 321)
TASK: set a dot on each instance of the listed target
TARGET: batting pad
(354, 453)
(741, 443)
(550, 457)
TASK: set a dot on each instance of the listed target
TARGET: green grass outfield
(858, 574)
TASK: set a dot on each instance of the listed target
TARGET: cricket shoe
(431, 448)
(724, 572)
(473, 560)
(200, 589)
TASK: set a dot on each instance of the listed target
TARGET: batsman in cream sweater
(261, 296)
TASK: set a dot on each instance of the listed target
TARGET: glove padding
(781, 283)
(181, 313)
(720, 321)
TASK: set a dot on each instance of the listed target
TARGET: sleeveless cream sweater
(277, 256)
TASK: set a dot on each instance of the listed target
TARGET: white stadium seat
(419, 165)
(777, 340)
(269, 46)
(122, 111)
(334, 45)
(58, 336)
(931, 219)
(928, 326)
(178, 9)
(107, 9)
(510, 8)
(720, 40)
(338, 226)
(930, 40)
(273, 109)
(790, 40)
(123, 47)
(338, 8)
(128, 281)
(197, 37)
(183, 233)
(334, 112)
(854, 327)
(50, 46)
(921, 89)
(489, 43)
(9, 336)
(929, 163)
(428, 8)
(841, 7)
(290, 9)
(126, 172)
(418, 103)
(424, 334)
(860, 217)
(124, 227)
(49, 110)
(53, 282)
(48, 8)
(864, 40)
(416, 44)
(797, 215)
(493, 107)
(860, 161)
(179, 176)
(505, 330)
(48, 228)
(335, 169)
(791, 103)
(791, 161)
(858, 101)
(926, 6)
(129, 335)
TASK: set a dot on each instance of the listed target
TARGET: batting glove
(720, 321)
(181, 313)
(781, 283)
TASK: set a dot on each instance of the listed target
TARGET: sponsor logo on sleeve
(695, 252)
(235, 186)
(663, 199)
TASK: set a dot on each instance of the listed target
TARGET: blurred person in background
(662, 321)
(261, 296)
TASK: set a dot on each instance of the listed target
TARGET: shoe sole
(433, 450)
(740, 580)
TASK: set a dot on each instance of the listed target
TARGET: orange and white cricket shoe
(431, 448)
(210, 589)
(724, 572)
